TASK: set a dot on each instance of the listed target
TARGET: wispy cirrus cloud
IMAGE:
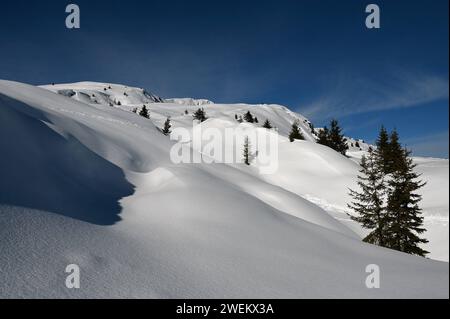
(351, 94)
(434, 145)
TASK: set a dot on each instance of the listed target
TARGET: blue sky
(316, 57)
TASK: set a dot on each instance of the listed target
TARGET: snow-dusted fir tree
(295, 133)
(144, 112)
(200, 115)
(246, 151)
(405, 220)
(369, 202)
(167, 126)
(267, 124)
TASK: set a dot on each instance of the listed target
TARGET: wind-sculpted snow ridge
(93, 185)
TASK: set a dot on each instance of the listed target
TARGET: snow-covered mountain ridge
(91, 183)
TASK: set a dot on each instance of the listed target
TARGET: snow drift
(92, 184)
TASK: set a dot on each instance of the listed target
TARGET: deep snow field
(83, 180)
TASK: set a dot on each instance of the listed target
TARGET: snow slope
(301, 166)
(91, 184)
(104, 94)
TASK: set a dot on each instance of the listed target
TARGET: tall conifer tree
(369, 202)
(405, 218)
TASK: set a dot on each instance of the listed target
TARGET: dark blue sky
(316, 57)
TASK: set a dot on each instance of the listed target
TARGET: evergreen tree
(248, 117)
(200, 115)
(235, 116)
(394, 154)
(383, 147)
(357, 144)
(323, 137)
(369, 203)
(166, 129)
(404, 214)
(337, 140)
(295, 133)
(388, 176)
(267, 124)
(246, 151)
(186, 112)
(144, 112)
(256, 120)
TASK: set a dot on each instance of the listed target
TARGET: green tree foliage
(248, 117)
(267, 124)
(405, 220)
(295, 133)
(336, 138)
(144, 112)
(200, 115)
(167, 127)
(369, 203)
(388, 200)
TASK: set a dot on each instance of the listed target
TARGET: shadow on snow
(43, 170)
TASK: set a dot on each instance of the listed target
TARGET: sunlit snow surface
(87, 183)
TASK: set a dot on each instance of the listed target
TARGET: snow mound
(331, 195)
(175, 231)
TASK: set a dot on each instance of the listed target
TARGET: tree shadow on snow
(43, 170)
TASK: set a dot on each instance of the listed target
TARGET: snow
(90, 184)
(188, 101)
(104, 93)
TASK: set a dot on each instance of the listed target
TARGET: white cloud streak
(350, 95)
(434, 145)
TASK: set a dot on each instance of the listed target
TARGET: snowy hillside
(86, 181)
(104, 94)
(336, 173)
